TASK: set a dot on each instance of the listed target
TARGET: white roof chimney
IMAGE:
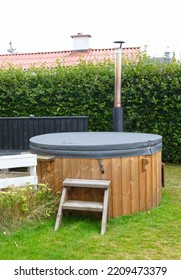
(81, 42)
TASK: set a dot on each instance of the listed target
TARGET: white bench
(16, 161)
(84, 205)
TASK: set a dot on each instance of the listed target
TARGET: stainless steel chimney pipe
(118, 111)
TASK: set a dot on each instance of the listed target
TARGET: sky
(46, 25)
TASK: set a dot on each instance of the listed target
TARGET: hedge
(151, 95)
(152, 102)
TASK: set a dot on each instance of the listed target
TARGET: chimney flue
(118, 110)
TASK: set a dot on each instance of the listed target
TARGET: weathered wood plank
(83, 205)
(76, 173)
(107, 168)
(126, 188)
(85, 174)
(149, 193)
(95, 170)
(18, 181)
(60, 212)
(66, 168)
(75, 168)
(116, 190)
(24, 160)
(142, 184)
(105, 211)
(57, 173)
(86, 183)
(85, 166)
(154, 180)
(45, 158)
(44, 172)
(159, 178)
(134, 180)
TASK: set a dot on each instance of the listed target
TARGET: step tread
(83, 205)
(86, 183)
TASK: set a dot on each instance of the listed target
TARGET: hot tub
(131, 161)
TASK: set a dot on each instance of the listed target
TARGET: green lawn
(155, 234)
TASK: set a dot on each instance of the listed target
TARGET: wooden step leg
(105, 211)
(60, 213)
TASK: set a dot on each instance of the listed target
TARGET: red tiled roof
(49, 59)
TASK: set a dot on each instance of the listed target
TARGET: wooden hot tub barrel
(134, 171)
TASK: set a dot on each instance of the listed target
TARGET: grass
(154, 234)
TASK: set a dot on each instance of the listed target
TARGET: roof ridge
(67, 51)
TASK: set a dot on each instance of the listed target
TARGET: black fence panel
(16, 132)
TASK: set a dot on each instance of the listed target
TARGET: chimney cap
(78, 35)
(119, 42)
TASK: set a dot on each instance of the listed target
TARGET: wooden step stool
(84, 205)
